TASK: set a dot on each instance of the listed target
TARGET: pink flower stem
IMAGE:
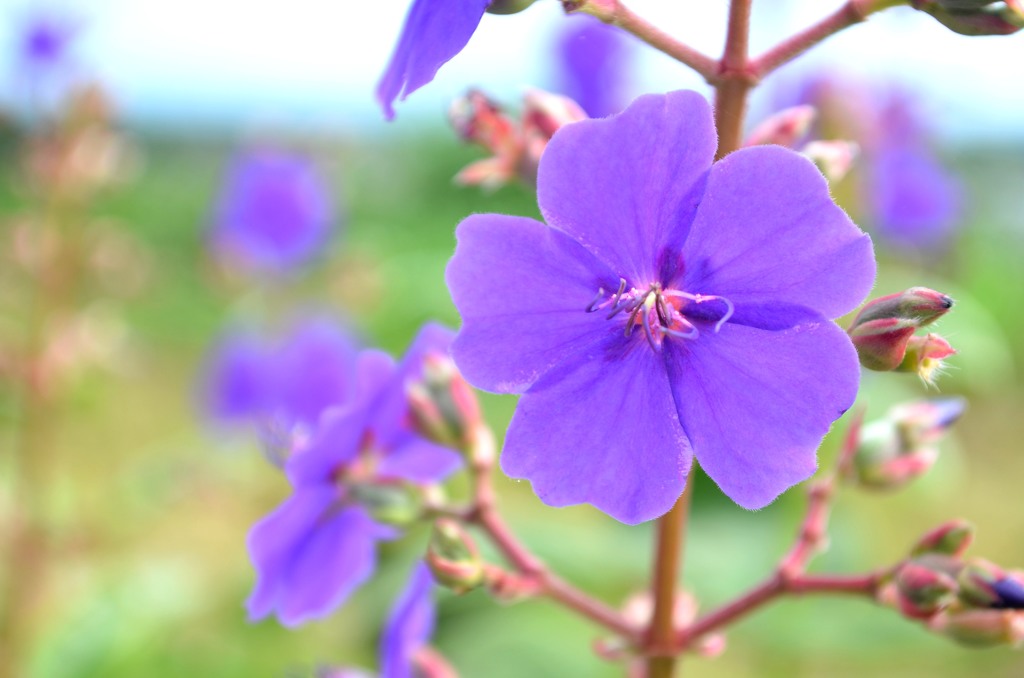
(734, 81)
(668, 559)
(535, 574)
(625, 18)
(851, 13)
(775, 587)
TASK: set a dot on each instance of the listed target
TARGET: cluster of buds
(790, 128)
(443, 406)
(516, 147)
(972, 601)
(975, 17)
(890, 452)
(883, 333)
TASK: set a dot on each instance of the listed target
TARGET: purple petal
(315, 371)
(755, 404)
(433, 33)
(522, 289)
(409, 626)
(335, 443)
(602, 429)
(310, 556)
(767, 232)
(237, 379)
(419, 461)
(626, 187)
(593, 65)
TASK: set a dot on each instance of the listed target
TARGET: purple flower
(671, 308)
(274, 211)
(409, 626)
(593, 66)
(433, 33)
(320, 544)
(45, 39)
(285, 385)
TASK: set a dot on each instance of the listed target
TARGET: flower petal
(335, 443)
(419, 461)
(310, 557)
(409, 626)
(755, 404)
(522, 289)
(603, 430)
(434, 32)
(626, 187)
(767, 232)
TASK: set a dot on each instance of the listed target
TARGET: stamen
(593, 306)
(701, 298)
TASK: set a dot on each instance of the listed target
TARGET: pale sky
(315, 62)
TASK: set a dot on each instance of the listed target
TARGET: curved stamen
(593, 306)
(701, 298)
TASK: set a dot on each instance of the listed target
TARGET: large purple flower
(320, 544)
(671, 308)
(274, 212)
(433, 33)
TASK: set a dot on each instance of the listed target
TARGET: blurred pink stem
(851, 13)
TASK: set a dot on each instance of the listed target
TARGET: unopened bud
(544, 114)
(396, 503)
(602, 9)
(453, 557)
(784, 128)
(984, 584)
(833, 158)
(923, 591)
(924, 356)
(950, 539)
(443, 406)
(894, 450)
(508, 6)
(883, 329)
(981, 628)
(974, 18)
(430, 663)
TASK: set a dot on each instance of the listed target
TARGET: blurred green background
(152, 503)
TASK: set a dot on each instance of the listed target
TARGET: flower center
(662, 313)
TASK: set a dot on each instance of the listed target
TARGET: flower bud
(508, 6)
(974, 18)
(981, 628)
(443, 406)
(950, 539)
(833, 158)
(901, 446)
(984, 584)
(392, 503)
(544, 114)
(784, 128)
(924, 356)
(884, 327)
(923, 591)
(453, 557)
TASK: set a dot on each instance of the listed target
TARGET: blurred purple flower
(45, 39)
(709, 333)
(409, 626)
(433, 33)
(319, 545)
(250, 380)
(274, 211)
(593, 65)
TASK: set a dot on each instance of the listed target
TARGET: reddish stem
(851, 13)
(624, 18)
(734, 80)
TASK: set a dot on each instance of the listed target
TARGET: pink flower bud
(784, 128)
(443, 406)
(453, 557)
(975, 19)
(950, 538)
(923, 591)
(981, 628)
(884, 328)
